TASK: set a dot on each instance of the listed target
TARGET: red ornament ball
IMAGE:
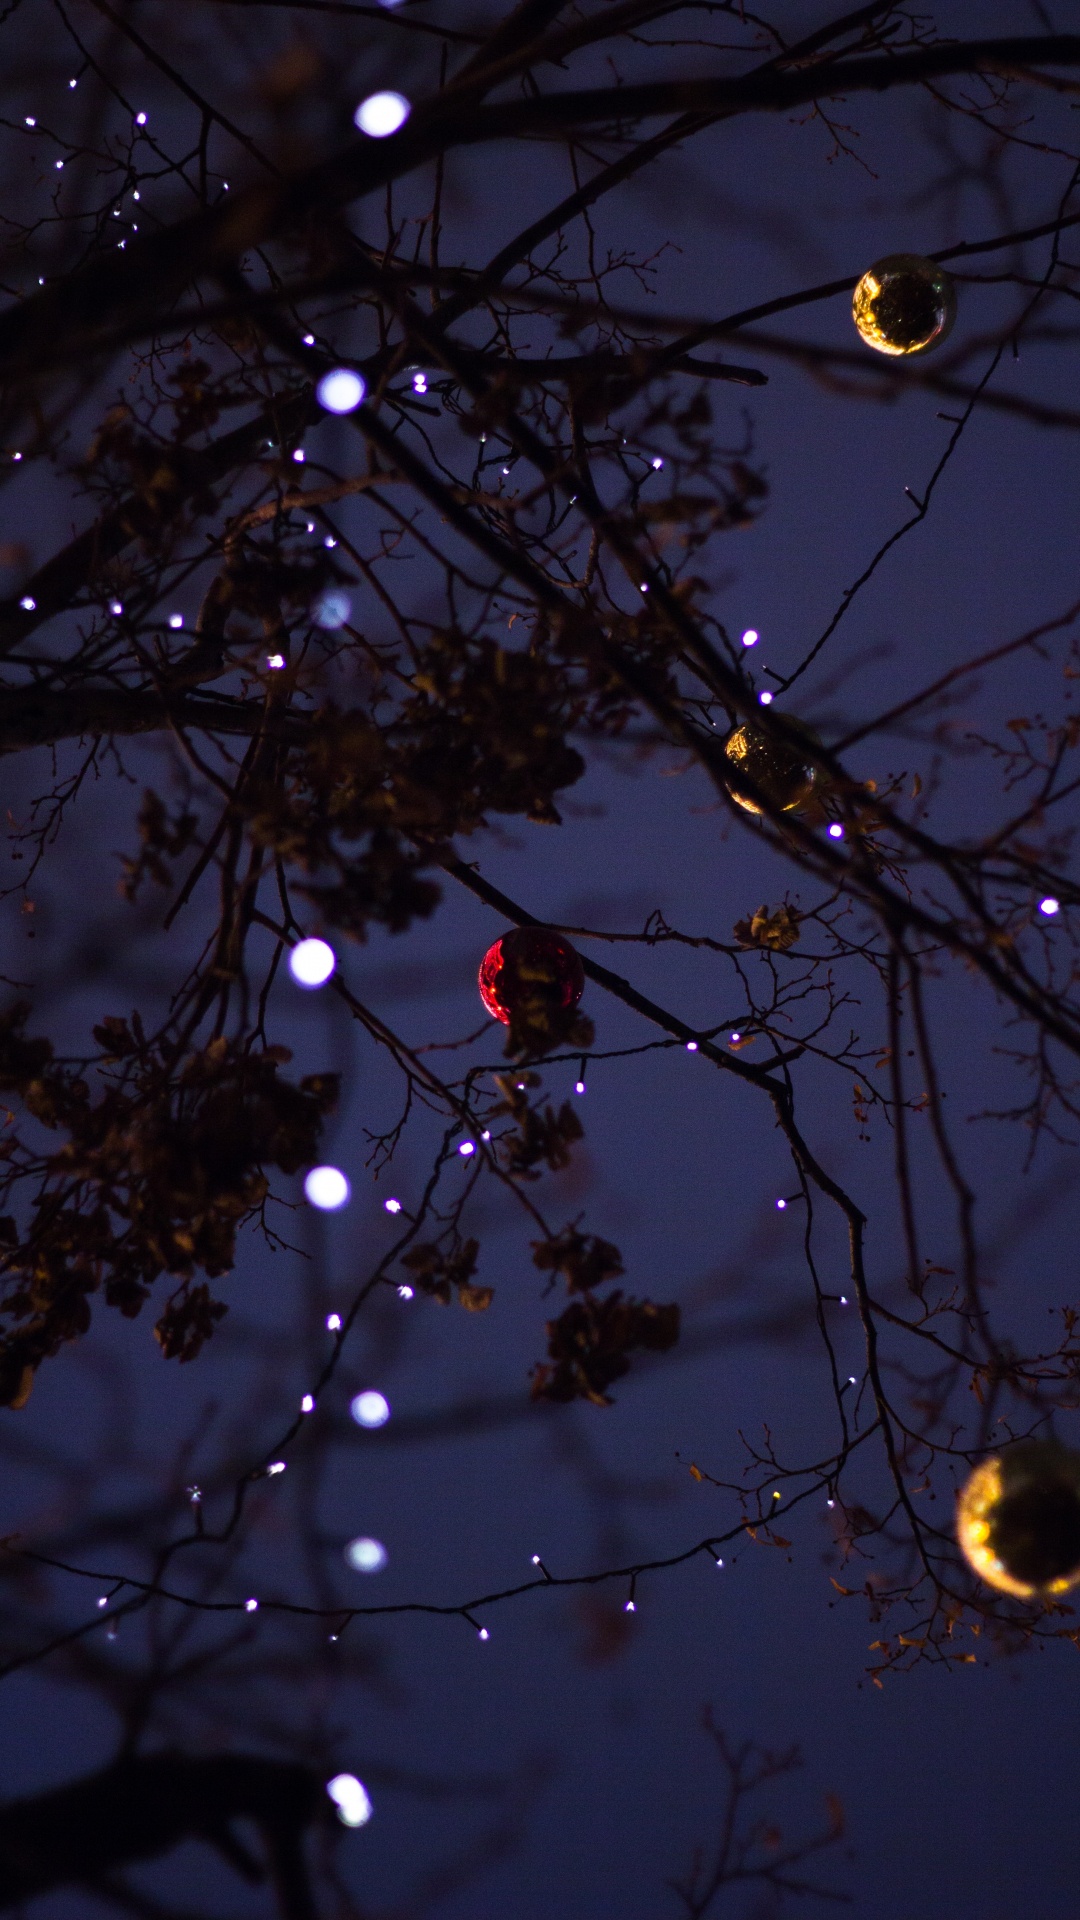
(530, 963)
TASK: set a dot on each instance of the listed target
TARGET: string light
(340, 391)
(276, 1467)
(1049, 906)
(751, 637)
(350, 1796)
(466, 1148)
(299, 454)
(309, 339)
(116, 608)
(365, 1555)
(307, 1404)
(176, 621)
(405, 1293)
(327, 1189)
(312, 962)
(765, 698)
(691, 1046)
(420, 386)
(370, 1409)
(392, 1206)
(836, 831)
(579, 1086)
(251, 1606)
(333, 1323)
(381, 114)
(104, 1601)
(484, 1634)
(331, 610)
(780, 1206)
(28, 603)
(275, 662)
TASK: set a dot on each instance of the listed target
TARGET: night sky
(560, 1767)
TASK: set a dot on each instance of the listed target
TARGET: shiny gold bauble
(904, 304)
(1018, 1520)
(780, 772)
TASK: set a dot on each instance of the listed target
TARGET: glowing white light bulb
(765, 698)
(484, 1634)
(28, 603)
(140, 119)
(275, 1467)
(1049, 906)
(851, 1379)
(419, 382)
(116, 608)
(352, 1800)
(719, 1563)
(331, 610)
(299, 454)
(275, 662)
(366, 1556)
(836, 831)
(307, 1404)
(309, 339)
(405, 1293)
(340, 391)
(780, 1205)
(176, 620)
(691, 1046)
(312, 962)
(657, 464)
(333, 1323)
(751, 637)
(30, 121)
(535, 1561)
(579, 1086)
(251, 1606)
(370, 1409)
(327, 1189)
(843, 1299)
(381, 114)
(392, 1206)
(734, 1038)
(630, 1607)
(467, 1147)
(104, 1601)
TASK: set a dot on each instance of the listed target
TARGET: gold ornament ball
(904, 304)
(779, 771)
(1018, 1520)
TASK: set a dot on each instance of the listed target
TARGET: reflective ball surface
(530, 964)
(904, 304)
(777, 769)
(1018, 1520)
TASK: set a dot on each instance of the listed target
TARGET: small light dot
(644, 586)
(381, 114)
(312, 962)
(1049, 906)
(140, 119)
(765, 698)
(734, 1038)
(467, 1147)
(350, 1797)
(420, 386)
(16, 456)
(307, 1404)
(176, 620)
(851, 1379)
(104, 1601)
(366, 1555)
(843, 1299)
(309, 339)
(251, 1606)
(630, 1607)
(116, 608)
(329, 541)
(276, 1467)
(275, 662)
(719, 1563)
(59, 166)
(370, 1409)
(691, 1046)
(392, 1206)
(830, 1503)
(484, 1634)
(657, 464)
(751, 637)
(30, 121)
(299, 454)
(535, 1561)
(836, 831)
(73, 83)
(780, 1205)
(327, 1189)
(28, 604)
(340, 391)
(405, 1293)
(333, 1323)
(579, 1086)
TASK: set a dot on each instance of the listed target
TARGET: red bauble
(529, 964)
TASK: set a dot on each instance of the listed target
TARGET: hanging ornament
(1018, 1520)
(904, 304)
(531, 968)
(778, 770)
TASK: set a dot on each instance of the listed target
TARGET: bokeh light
(370, 1409)
(340, 391)
(327, 1189)
(381, 114)
(311, 963)
(365, 1555)
(351, 1798)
